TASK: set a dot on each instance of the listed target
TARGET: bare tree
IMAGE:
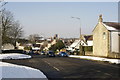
(15, 32)
(7, 20)
(11, 29)
(34, 37)
(2, 3)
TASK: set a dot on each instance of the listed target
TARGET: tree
(11, 29)
(2, 3)
(59, 45)
(7, 20)
(33, 38)
(15, 32)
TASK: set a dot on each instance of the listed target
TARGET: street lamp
(80, 24)
(80, 33)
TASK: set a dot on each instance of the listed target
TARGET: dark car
(50, 54)
(30, 52)
(34, 52)
(42, 52)
(63, 54)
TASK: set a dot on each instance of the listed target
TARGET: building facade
(106, 39)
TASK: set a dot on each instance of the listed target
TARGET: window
(104, 35)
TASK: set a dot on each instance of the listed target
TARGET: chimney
(100, 18)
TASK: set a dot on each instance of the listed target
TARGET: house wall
(114, 45)
(89, 43)
(21, 47)
(100, 41)
(115, 42)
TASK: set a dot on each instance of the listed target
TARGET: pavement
(115, 61)
(70, 68)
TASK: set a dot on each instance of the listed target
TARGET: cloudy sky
(49, 18)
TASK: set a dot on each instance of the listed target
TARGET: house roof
(88, 37)
(112, 26)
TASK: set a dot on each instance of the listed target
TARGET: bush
(27, 48)
(59, 45)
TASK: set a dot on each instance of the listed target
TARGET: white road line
(107, 74)
(47, 62)
(52, 66)
(56, 68)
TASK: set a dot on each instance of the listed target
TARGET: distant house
(49, 43)
(68, 41)
(106, 39)
(20, 46)
(36, 46)
(7, 46)
(86, 40)
(75, 45)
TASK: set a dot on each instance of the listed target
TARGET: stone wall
(88, 53)
(114, 55)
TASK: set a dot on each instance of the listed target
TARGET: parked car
(63, 54)
(30, 52)
(42, 52)
(50, 54)
(37, 52)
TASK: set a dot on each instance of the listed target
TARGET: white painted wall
(89, 43)
(115, 41)
(76, 44)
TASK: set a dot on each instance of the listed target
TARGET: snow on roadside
(16, 71)
(14, 56)
(116, 61)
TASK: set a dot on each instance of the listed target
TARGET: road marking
(98, 71)
(52, 66)
(47, 62)
(56, 68)
(107, 74)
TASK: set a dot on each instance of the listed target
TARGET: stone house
(106, 39)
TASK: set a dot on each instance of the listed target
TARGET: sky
(49, 18)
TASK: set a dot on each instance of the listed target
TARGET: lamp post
(81, 52)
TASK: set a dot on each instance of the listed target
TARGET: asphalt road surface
(72, 68)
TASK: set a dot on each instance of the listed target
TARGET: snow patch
(116, 61)
(16, 71)
(109, 27)
(14, 56)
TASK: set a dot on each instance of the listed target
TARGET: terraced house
(106, 39)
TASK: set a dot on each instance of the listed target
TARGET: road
(65, 67)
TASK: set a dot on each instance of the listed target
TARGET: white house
(86, 40)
